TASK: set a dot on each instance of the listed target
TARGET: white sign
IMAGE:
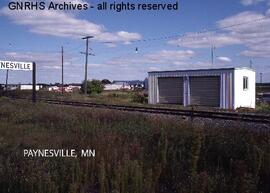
(11, 65)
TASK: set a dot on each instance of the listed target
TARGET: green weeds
(135, 153)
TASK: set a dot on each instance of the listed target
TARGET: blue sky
(39, 35)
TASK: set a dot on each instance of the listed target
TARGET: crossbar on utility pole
(86, 61)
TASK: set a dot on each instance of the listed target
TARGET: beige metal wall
(226, 82)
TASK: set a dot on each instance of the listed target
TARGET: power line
(177, 36)
(73, 50)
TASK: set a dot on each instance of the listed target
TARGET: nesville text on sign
(9, 65)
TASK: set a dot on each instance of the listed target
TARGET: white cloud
(157, 61)
(253, 33)
(162, 60)
(63, 24)
(169, 57)
(49, 66)
(172, 56)
(224, 59)
(206, 40)
(245, 18)
(94, 65)
(251, 2)
(152, 68)
(255, 36)
(43, 60)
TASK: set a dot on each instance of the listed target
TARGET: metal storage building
(227, 88)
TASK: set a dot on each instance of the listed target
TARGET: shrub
(263, 107)
(93, 87)
(139, 98)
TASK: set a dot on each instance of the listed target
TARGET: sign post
(34, 92)
(24, 66)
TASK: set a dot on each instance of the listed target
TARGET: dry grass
(135, 153)
(125, 98)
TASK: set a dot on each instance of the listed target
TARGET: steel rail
(244, 117)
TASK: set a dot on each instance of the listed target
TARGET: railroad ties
(244, 117)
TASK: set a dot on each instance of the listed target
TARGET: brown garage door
(205, 91)
(170, 90)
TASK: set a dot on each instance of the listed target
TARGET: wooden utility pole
(86, 62)
(212, 55)
(62, 69)
(7, 80)
(261, 78)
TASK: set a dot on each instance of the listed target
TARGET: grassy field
(132, 98)
(135, 153)
(263, 108)
(111, 97)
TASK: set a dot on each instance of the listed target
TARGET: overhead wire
(76, 49)
(217, 29)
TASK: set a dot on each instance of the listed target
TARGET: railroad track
(243, 117)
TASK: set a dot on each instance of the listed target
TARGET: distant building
(227, 88)
(46, 87)
(117, 85)
(28, 87)
(66, 88)
(263, 97)
(72, 88)
(137, 84)
(124, 85)
(53, 88)
(146, 83)
(12, 87)
(109, 87)
(263, 92)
